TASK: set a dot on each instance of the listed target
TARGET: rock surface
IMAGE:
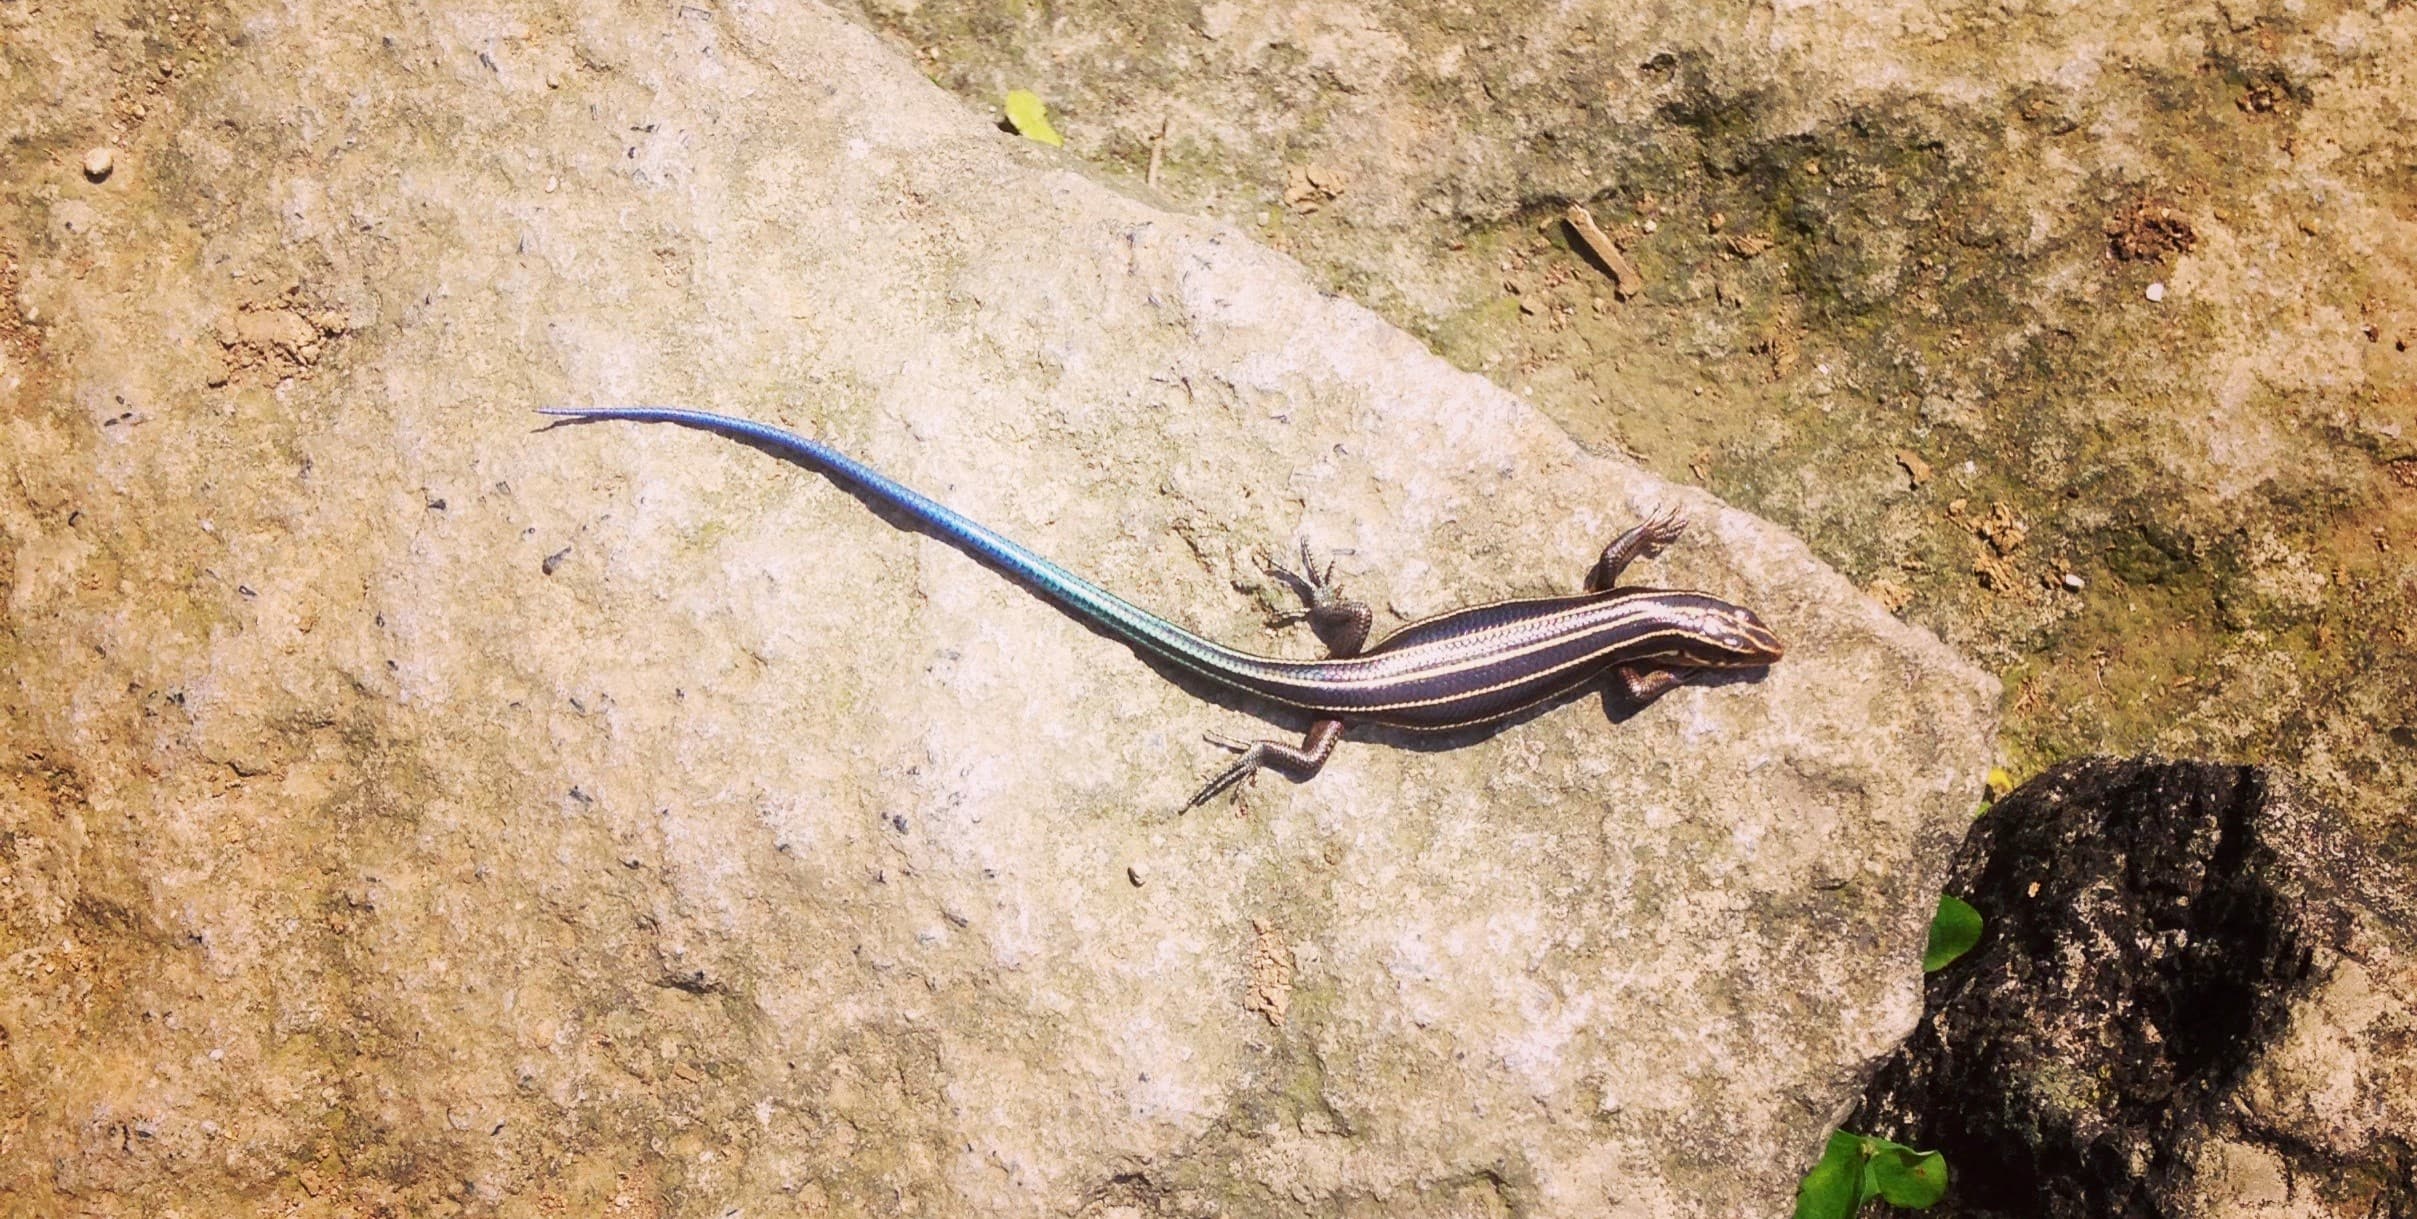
(411, 809)
(2180, 1006)
(2083, 334)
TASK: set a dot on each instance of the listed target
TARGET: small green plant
(1030, 118)
(1856, 1168)
(1953, 931)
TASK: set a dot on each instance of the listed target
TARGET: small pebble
(2156, 291)
(98, 163)
(1134, 873)
(2073, 582)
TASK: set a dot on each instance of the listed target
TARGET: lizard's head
(1720, 635)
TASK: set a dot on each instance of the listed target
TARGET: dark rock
(2151, 928)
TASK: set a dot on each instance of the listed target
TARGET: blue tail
(1078, 596)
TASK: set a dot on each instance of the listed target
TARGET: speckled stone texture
(2180, 1006)
(2082, 334)
(410, 810)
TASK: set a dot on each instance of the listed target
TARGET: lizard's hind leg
(1341, 623)
(1300, 762)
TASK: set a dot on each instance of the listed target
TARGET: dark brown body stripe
(1480, 664)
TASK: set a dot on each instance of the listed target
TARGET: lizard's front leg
(1642, 542)
(1645, 683)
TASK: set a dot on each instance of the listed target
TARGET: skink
(1454, 670)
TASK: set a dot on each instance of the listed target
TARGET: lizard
(1458, 669)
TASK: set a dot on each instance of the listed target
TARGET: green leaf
(1832, 1190)
(1999, 782)
(1031, 118)
(1953, 932)
(1901, 1176)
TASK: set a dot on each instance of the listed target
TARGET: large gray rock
(2083, 334)
(412, 808)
